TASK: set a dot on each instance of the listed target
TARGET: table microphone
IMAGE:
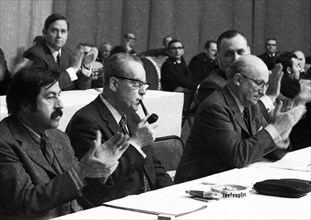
(152, 118)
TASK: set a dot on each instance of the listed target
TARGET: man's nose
(58, 103)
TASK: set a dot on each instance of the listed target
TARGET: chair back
(190, 106)
(152, 75)
(169, 150)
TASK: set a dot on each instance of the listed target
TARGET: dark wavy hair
(26, 85)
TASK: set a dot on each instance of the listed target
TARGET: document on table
(156, 206)
(292, 165)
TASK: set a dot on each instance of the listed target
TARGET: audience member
(302, 62)
(175, 75)
(123, 88)
(290, 86)
(39, 176)
(202, 64)
(229, 130)
(53, 55)
(104, 52)
(129, 40)
(160, 51)
(5, 75)
(270, 54)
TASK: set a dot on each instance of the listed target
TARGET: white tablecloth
(254, 206)
(167, 105)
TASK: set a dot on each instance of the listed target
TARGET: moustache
(56, 113)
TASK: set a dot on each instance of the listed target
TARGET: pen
(204, 194)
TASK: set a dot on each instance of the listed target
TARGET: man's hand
(144, 133)
(90, 57)
(305, 92)
(102, 159)
(77, 59)
(275, 77)
(284, 121)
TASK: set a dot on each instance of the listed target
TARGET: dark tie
(58, 60)
(123, 126)
(46, 149)
(246, 118)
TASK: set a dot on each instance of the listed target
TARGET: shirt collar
(116, 115)
(54, 52)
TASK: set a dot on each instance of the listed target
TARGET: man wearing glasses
(114, 111)
(175, 75)
(271, 52)
(229, 130)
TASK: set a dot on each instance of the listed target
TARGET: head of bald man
(248, 78)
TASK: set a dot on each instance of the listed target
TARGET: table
(254, 206)
(167, 105)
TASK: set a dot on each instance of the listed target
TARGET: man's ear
(43, 31)
(288, 70)
(237, 79)
(113, 83)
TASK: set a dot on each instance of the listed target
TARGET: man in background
(129, 40)
(53, 55)
(5, 75)
(202, 64)
(270, 54)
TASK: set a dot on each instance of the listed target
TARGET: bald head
(247, 78)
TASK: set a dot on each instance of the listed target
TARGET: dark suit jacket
(201, 66)
(4, 83)
(41, 54)
(219, 139)
(30, 188)
(216, 80)
(175, 75)
(128, 177)
(268, 60)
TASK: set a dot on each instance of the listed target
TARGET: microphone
(152, 118)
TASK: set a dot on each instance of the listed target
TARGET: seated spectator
(202, 64)
(113, 112)
(290, 86)
(302, 62)
(53, 55)
(104, 52)
(160, 51)
(5, 75)
(175, 75)
(39, 177)
(129, 40)
(229, 130)
(270, 54)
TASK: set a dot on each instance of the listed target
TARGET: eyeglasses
(259, 83)
(136, 83)
(176, 48)
(272, 45)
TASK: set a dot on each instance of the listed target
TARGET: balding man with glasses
(111, 112)
(229, 130)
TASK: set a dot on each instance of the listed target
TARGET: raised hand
(275, 77)
(144, 133)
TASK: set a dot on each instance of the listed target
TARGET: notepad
(156, 206)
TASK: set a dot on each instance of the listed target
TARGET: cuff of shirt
(72, 73)
(77, 180)
(138, 148)
(267, 102)
(86, 72)
(273, 133)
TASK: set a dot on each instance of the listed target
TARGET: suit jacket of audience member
(219, 139)
(4, 83)
(268, 60)
(201, 66)
(128, 177)
(29, 189)
(216, 80)
(174, 74)
(42, 55)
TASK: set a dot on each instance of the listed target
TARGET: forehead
(106, 46)
(294, 61)
(137, 70)
(271, 42)
(176, 44)
(236, 43)
(213, 45)
(60, 24)
(51, 88)
(299, 54)
(131, 36)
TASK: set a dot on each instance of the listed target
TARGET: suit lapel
(235, 109)
(49, 59)
(29, 145)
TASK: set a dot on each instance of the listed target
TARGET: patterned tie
(246, 118)
(46, 149)
(146, 183)
(123, 124)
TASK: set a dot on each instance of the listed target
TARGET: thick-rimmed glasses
(136, 83)
(259, 83)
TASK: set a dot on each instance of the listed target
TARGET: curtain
(192, 21)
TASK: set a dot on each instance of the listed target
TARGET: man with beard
(53, 54)
(229, 130)
(39, 176)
